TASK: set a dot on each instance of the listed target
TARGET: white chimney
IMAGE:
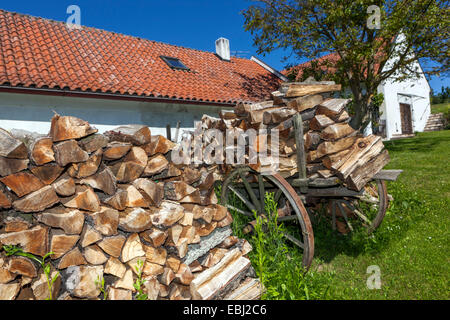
(223, 48)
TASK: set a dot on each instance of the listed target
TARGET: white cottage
(111, 79)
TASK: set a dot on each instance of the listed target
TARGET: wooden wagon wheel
(368, 209)
(250, 187)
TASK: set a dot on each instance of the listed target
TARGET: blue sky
(190, 23)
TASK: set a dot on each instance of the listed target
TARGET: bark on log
(93, 142)
(319, 122)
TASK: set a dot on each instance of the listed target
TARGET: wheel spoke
(294, 240)
(250, 192)
(262, 193)
(344, 215)
(229, 206)
(243, 198)
(278, 195)
(357, 212)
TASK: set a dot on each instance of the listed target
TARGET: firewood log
(329, 147)
(11, 147)
(332, 108)
(67, 128)
(37, 200)
(87, 168)
(41, 151)
(69, 152)
(364, 173)
(22, 183)
(306, 102)
(300, 90)
(336, 131)
(10, 166)
(319, 122)
(133, 133)
(47, 173)
(116, 150)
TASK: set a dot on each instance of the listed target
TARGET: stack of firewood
(104, 204)
(332, 148)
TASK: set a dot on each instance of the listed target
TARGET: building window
(174, 63)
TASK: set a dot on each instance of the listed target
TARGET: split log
(319, 122)
(127, 171)
(214, 281)
(137, 155)
(71, 221)
(116, 150)
(155, 165)
(133, 133)
(167, 214)
(10, 166)
(273, 116)
(88, 168)
(126, 196)
(159, 144)
(11, 147)
(190, 175)
(361, 152)
(332, 108)
(106, 221)
(184, 274)
(256, 116)
(41, 151)
(134, 220)
(5, 198)
(312, 140)
(249, 289)
(329, 147)
(304, 103)
(34, 240)
(364, 173)
(334, 161)
(243, 109)
(84, 199)
(104, 180)
(67, 128)
(22, 183)
(343, 116)
(37, 201)
(170, 172)
(69, 152)
(177, 190)
(48, 172)
(93, 142)
(64, 185)
(156, 255)
(336, 131)
(113, 245)
(155, 236)
(300, 90)
(151, 191)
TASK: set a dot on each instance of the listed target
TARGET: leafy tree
(362, 44)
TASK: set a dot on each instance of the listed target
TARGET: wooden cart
(365, 208)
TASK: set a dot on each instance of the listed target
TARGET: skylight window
(174, 63)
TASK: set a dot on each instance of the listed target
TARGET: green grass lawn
(411, 247)
(442, 107)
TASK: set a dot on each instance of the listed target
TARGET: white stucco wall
(414, 91)
(33, 112)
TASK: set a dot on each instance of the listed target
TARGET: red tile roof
(41, 53)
